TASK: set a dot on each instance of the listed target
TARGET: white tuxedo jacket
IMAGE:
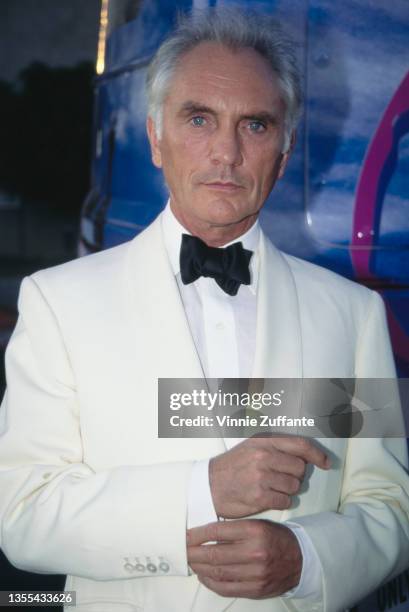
(87, 488)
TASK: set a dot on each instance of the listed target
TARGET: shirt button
(219, 326)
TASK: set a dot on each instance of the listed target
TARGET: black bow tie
(229, 266)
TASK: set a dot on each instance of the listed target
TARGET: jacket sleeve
(366, 542)
(57, 514)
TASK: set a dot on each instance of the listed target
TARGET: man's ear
(154, 142)
(286, 156)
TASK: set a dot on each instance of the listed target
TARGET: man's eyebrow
(264, 116)
(195, 107)
(190, 107)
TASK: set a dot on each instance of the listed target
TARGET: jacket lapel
(158, 309)
(278, 335)
(160, 325)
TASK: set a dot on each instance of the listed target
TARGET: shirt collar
(172, 233)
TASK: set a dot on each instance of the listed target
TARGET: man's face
(222, 137)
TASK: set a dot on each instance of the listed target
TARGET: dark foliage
(45, 127)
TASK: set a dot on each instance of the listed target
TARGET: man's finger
(300, 447)
(200, 535)
(222, 531)
(236, 572)
(215, 554)
(287, 464)
(282, 483)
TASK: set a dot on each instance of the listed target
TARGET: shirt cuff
(310, 584)
(200, 508)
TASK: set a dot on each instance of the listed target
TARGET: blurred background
(76, 175)
(47, 68)
(48, 52)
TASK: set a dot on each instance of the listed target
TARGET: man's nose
(226, 147)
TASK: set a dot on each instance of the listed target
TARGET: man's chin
(222, 220)
(222, 211)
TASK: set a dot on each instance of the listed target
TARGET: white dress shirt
(223, 330)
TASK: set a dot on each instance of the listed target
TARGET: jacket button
(140, 567)
(151, 567)
(164, 567)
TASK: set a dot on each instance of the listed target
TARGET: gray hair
(235, 29)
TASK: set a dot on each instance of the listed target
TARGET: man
(88, 489)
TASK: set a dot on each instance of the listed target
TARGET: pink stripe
(368, 183)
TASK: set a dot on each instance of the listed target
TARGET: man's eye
(257, 126)
(198, 121)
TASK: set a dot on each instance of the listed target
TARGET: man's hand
(261, 474)
(252, 558)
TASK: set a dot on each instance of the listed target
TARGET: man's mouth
(224, 186)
